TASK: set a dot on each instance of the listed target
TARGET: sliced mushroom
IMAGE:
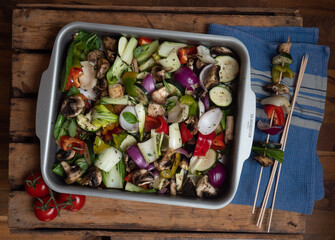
(162, 164)
(158, 73)
(159, 96)
(130, 164)
(142, 177)
(173, 190)
(188, 188)
(115, 91)
(205, 189)
(134, 65)
(92, 177)
(94, 55)
(217, 51)
(264, 160)
(88, 79)
(103, 66)
(72, 172)
(199, 64)
(156, 110)
(101, 89)
(192, 124)
(190, 63)
(184, 163)
(72, 106)
(110, 55)
(62, 155)
(285, 47)
(211, 77)
(278, 88)
(110, 43)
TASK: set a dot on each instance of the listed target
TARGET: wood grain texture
(102, 213)
(22, 117)
(33, 30)
(27, 69)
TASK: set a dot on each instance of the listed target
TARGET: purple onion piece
(265, 127)
(149, 83)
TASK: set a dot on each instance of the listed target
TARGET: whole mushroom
(72, 106)
(72, 172)
(92, 177)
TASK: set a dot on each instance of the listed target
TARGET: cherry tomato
(35, 185)
(45, 209)
(71, 202)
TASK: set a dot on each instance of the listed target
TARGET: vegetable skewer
(300, 77)
(267, 140)
(283, 141)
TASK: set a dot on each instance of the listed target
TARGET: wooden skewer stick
(300, 77)
(267, 140)
(283, 141)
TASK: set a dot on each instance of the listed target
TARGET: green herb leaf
(276, 154)
(129, 117)
(59, 122)
(72, 91)
(72, 127)
(170, 104)
(166, 85)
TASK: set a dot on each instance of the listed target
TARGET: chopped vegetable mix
(134, 117)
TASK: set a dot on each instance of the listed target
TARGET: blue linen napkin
(301, 179)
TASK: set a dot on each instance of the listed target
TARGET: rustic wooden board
(32, 30)
(102, 213)
(22, 117)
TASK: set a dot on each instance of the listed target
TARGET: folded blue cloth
(301, 180)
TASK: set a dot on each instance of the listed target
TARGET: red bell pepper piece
(191, 50)
(108, 136)
(75, 144)
(151, 123)
(182, 56)
(129, 177)
(278, 114)
(164, 127)
(73, 78)
(204, 142)
(218, 142)
(144, 40)
(186, 135)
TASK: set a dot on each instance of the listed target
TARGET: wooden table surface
(34, 31)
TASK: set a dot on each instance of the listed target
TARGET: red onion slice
(182, 151)
(217, 175)
(265, 127)
(186, 77)
(203, 75)
(135, 154)
(149, 83)
(206, 101)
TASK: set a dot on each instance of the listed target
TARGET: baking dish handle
(43, 104)
(248, 124)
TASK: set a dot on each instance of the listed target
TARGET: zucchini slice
(84, 122)
(143, 95)
(201, 164)
(229, 68)
(175, 88)
(281, 58)
(221, 95)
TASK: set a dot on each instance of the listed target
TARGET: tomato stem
(53, 199)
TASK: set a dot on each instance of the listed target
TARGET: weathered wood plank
(170, 9)
(22, 155)
(102, 213)
(27, 69)
(93, 234)
(36, 29)
(22, 117)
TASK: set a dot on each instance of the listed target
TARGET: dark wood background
(320, 225)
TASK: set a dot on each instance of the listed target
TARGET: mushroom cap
(158, 73)
(188, 188)
(204, 189)
(62, 155)
(72, 106)
(92, 177)
(88, 80)
(142, 177)
(72, 172)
